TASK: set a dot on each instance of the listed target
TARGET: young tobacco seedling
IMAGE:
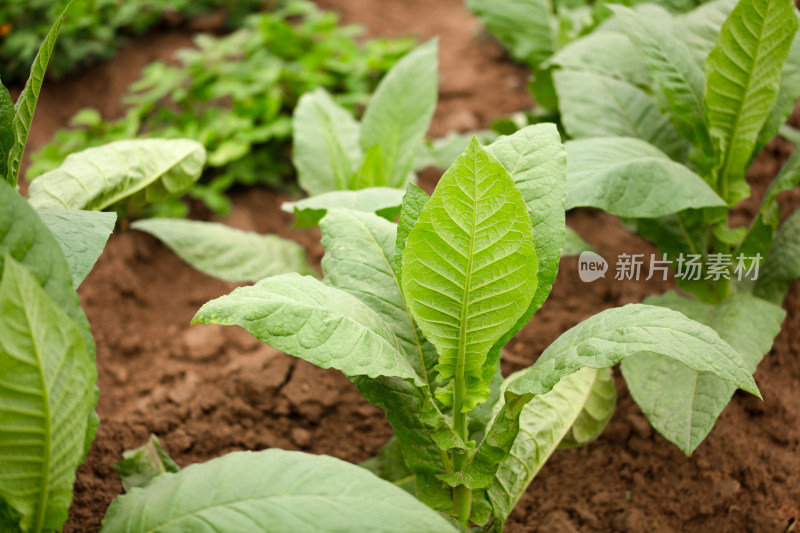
(666, 142)
(416, 315)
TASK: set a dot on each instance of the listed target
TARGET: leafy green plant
(340, 162)
(47, 247)
(94, 30)
(236, 94)
(540, 34)
(668, 146)
(416, 315)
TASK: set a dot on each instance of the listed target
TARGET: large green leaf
(46, 395)
(607, 53)
(743, 74)
(383, 201)
(82, 236)
(303, 317)
(544, 422)
(537, 162)
(593, 105)
(272, 490)
(781, 267)
(359, 259)
(788, 93)
(228, 253)
(400, 111)
(325, 150)
(673, 68)
(6, 129)
(681, 403)
(148, 170)
(469, 268)
(26, 103)
(631, 178)
(634, 329)
(598, 408)
(524, 27)
(25, 237)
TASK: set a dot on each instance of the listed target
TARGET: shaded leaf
(681, 403)
(140, 466)
(781, 267)
(383, 201)
(628, 177)
(325, 144)
(82, 235)
(227, 253)
(272, 490)
(574, 244)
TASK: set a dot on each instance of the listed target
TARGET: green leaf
(607, 53)
(634, 329)
(742, 80)
(325, 138)
(781, 267)
(787, 97)
(673, 68)
(598, 408)
(359, 259)
(383, 201)
(26, 103)
(140, 466)
(537, 162)
(6, 129)
(574, 244)
(148, 170)
(413, 203)
(25, 237)
(400, 111)
(46, 394)
(301, 316)
(681, 403)
(469, 268)
(227, 253)
(544, 422)
(593, 105)
(272, 490)
(524, 27)
(82, 235)
(371, 172)
(628, 177)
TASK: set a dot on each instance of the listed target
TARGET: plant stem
(462, 496)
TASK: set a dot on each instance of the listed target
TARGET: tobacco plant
(340, 163)
(47, 247)
(667, 145)
(416, 315)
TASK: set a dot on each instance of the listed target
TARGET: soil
(208, 390)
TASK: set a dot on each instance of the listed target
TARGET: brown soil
(208, 390)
